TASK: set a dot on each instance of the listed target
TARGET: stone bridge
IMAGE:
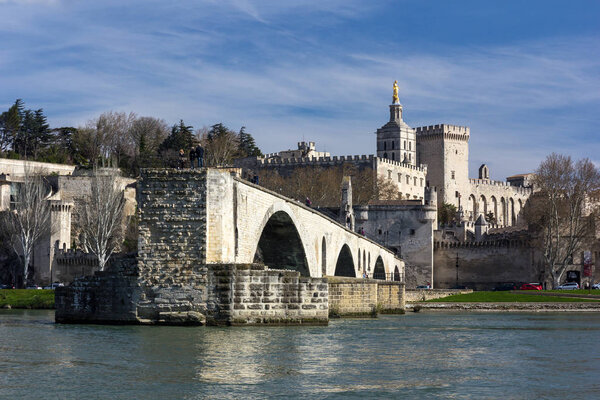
(247, 223)
(214, 249)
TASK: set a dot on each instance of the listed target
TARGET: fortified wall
(484, 265)
(410, 179)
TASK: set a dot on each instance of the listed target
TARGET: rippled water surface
(425, 355)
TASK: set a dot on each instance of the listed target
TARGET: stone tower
(346, 210)
(445, 150)
(396, 140)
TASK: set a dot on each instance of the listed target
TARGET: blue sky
(524, 75)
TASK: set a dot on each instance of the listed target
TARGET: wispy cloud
(261, 64)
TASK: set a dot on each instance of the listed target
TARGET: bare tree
(560, 213)
(322, 185)
(30, 217)
(101, 217)
(146, 134)
(221, 145)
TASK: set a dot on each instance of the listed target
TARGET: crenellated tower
(445, 150)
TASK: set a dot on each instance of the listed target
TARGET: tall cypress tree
(10, 124)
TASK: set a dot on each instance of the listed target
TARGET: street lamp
(457, 270)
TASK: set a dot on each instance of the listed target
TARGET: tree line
(120, 139)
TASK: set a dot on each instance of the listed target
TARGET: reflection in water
(421, 355)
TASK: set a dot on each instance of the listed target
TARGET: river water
(423, 355)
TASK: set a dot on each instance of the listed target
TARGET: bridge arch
(345, 264)
(280, 245)
(379, 269)
(396, 274)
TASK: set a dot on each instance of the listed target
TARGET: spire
(395, 107)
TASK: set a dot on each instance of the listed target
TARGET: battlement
(61, 205)
(74, 257)
(314, 160)
(484, 243)
(420, 168)
(489, 182)
(442, 128)
(445, 131)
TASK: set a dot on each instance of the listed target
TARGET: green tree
(33, 133)
(60, 148)
(10, 124)
(180, 138)
(446, 213)
(247, 145)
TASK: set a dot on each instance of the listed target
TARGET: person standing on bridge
(181, 164)
(192, 157)
(308, 202)
(200, 155)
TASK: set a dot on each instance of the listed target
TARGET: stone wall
(70, 264)
(106, 297)
(416, 295)
(357, 297)
(244, 294)
(405, 228)
(482, 266)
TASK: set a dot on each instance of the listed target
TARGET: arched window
(393, 155)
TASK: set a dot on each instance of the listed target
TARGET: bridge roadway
(247, 223)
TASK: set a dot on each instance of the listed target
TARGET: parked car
(596, 285)
(54, 285)
(4, 286)
(505, 287)
(424, 287)
(568, 286)
(33, 287)
(531, 286)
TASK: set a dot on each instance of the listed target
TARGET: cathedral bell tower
(396, 140)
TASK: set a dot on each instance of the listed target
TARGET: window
(392, 145)
(399, 178)
(409, 157)
(407, 180)
(412, 231)
(389, 174)
(415, 181)
(384, 145)
(421, 182)
(452, 175)
(393, 155)
(410, 145)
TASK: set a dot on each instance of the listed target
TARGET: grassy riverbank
(26, 298)
(505, 297)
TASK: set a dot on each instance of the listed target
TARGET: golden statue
(395, 99)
